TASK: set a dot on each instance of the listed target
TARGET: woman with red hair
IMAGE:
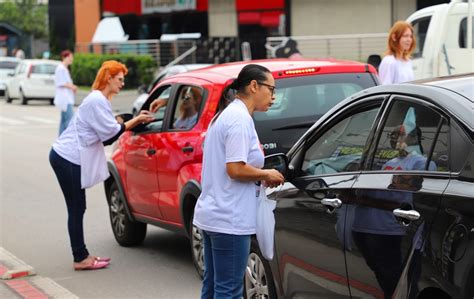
(78, 157)
(396, 66)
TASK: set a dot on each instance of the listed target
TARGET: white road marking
(11, 121)
(41, 120)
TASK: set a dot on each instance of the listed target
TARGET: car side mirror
(278, 162)
(124, 117)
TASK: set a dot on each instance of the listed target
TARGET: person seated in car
(188, 109)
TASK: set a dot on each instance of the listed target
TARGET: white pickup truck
(444, 41)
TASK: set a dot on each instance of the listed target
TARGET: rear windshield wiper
(307, 124)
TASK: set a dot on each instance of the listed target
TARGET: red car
(156, 169)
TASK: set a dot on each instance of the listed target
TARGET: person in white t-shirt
(396, 66)
(92, 127)
(65, 90)
(231, 170)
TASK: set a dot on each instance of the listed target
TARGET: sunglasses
(270, 87)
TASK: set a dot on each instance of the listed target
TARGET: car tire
(197, 247)
(258, 280)
(126, 232)
(23, 99)
(7, 96)
(51, 102)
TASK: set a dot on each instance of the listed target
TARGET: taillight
(29, 71)
(301, 71)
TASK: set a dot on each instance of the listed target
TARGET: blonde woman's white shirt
(392, 70)
(95, 122)
(226, 205)
(63, 96)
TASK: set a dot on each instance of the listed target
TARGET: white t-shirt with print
(392, 70)
(95, 123)
(63, 96)
(226, 205)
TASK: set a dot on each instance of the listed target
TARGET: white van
(442, 40)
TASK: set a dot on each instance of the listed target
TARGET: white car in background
(7, 67)
(165, 73)
(33, 79)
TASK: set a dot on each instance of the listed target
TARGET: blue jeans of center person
(225, 261)
(69, 178)
(66, 117)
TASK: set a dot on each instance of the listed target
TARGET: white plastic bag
(265, 224)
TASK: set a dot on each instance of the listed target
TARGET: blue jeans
(66, 117)
(225, 261)
(69, 178)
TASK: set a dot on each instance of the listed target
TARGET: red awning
(265, 19)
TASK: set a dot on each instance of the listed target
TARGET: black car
(378, 200)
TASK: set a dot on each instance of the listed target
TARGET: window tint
(460, 150)
(46, 69)
(186, 107)
(9, 65)
(463, 33)
(340, 148)
(421, 28)
(311, 96)
(414, 137)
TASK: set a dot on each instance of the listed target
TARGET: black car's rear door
(397, 199)
(310, 210)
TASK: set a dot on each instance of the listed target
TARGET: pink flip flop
(94, 266)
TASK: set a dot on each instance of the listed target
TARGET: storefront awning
(265, 19)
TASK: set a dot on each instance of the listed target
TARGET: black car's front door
(397, 199)
(310, 210)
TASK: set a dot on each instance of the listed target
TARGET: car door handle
(410, 215)
(187, 149)
(334, 203)
(151, 151)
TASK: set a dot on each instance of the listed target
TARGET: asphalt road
(33, 218)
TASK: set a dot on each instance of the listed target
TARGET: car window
(421, 28)
(9, 65)
(162, 93)
(186, 107)
(463, 33)
(414, 137)
(340, 148)
(311, 96)
(46, 69)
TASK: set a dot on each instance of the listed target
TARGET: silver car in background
(165, 73)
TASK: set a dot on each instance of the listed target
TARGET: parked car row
(360, 215)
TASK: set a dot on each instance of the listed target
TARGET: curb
(12, 267)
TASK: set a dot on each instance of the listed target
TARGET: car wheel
(23, 99)
(7, 96)
(51, 102)
(126, 231)
(197, 247)
(258, 281)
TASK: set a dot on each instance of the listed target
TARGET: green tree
(27, 15)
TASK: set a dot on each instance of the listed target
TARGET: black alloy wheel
(126, 232)
(7, 96)
(23, 99)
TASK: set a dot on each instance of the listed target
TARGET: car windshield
(10, 65)
(300, 97)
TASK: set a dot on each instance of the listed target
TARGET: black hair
(246, 75)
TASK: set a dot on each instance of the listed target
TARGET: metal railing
(345, 46)
(163, 52)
